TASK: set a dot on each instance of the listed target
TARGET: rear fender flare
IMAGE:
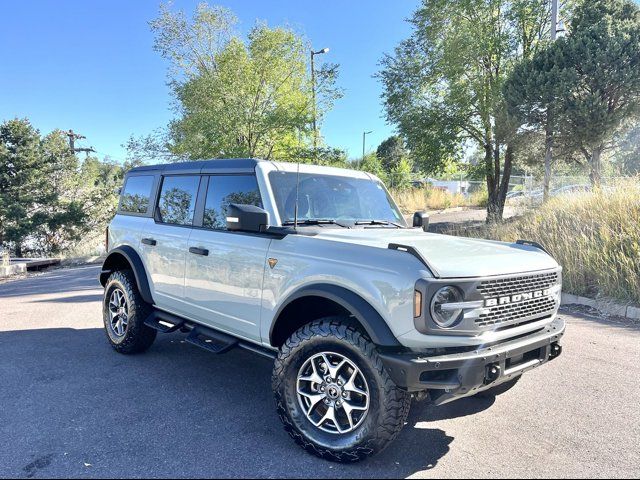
(128, 256)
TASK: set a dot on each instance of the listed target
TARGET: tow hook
(492, 373)
(555, 351)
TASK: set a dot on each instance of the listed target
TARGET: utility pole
(313, 95)
(548, 141)
(73, 136)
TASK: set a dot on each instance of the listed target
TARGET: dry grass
(415, 199)
(594, 236)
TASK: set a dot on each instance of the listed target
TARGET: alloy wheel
(333, 393)
(119, 312)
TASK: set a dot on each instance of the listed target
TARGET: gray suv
(316, 268)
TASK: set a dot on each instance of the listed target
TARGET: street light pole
(364, 136)
(313, 95)
(554, 20)
(549, 140)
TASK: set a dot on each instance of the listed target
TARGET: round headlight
(444, 315)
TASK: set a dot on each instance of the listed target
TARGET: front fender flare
(114, 261)
(373, 323)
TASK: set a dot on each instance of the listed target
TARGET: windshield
(332, 197)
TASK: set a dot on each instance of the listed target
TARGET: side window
(226, 189)
(178, 199)
(136, 194)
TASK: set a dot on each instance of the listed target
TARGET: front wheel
(333, 394)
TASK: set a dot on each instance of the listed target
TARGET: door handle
(149, 241)
(199, 251)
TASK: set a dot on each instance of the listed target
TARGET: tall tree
(23, 182)
(443, 85)
(602, 54)
(237, 97)
(391, 152)
(533, 93)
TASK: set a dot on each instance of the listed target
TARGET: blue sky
(89, 65)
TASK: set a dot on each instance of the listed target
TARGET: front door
(223, 282)
(165, 243)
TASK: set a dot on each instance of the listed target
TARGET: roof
(202, 166)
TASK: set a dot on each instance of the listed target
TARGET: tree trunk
(498, 185)
(492, 184)
(596, 168)
(548, 159)
(18, 249)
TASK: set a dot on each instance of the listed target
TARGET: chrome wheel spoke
(118, 312)
(314, 377)
(330, 415)
(314, 399)
(351, 387)
(332, 393)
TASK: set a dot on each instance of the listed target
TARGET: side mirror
(246, 218)
(421, 219)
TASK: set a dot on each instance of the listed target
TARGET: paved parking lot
(71, 407)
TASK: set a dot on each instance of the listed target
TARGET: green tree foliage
(237, 97)
(391, 152)
(371, 164)
(603, 56)
(533, 94)
(48, 198)
(583, 89)
(443, 85)
(400, 175)
(23, 182)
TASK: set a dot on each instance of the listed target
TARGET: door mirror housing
(246, 218)
(421, 219)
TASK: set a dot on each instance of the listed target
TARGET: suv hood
(449, 256)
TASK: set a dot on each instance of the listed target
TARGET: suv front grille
(514, 285)
(518, 312)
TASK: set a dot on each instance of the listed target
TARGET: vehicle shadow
(175, 411)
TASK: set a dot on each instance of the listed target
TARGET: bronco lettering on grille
(520, 297)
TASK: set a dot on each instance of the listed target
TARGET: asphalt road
(72, 407)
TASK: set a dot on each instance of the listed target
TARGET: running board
(164, 322)
(204, 337)
(215, 342)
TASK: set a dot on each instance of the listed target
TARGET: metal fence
(524, 184)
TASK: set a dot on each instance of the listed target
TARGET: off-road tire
(499, 390)
(137, 337)
(388, 405)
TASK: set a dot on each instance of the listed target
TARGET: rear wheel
(333, 394)
(124, 312)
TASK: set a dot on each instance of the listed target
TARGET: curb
(607, 307)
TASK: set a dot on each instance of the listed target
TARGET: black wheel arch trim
(134, 260)
(373, 323)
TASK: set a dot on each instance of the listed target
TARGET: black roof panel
(227, 165)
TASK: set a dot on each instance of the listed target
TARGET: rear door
(165, 243)
(223, 282)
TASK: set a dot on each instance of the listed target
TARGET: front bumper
(453, 376)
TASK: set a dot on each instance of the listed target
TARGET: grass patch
(594, 236)
(416, 199)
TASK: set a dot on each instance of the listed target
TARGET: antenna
(295, 211)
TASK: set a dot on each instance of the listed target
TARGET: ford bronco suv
(316, 268)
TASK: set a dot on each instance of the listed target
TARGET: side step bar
(164, 322)
(212, 340)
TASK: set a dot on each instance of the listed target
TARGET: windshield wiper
(377, 222)
(316, 221)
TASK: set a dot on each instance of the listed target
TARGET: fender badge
(273, 262)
